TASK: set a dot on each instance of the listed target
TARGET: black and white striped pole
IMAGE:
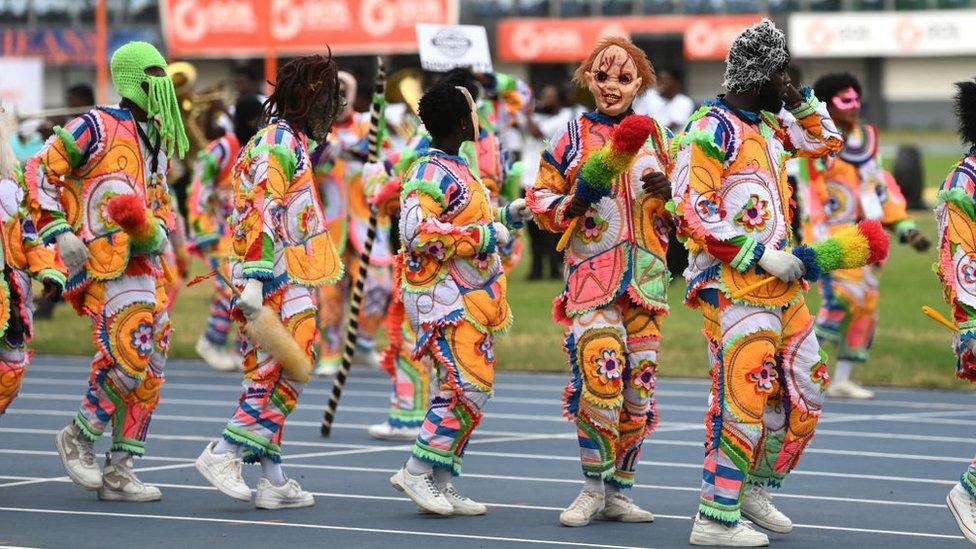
(359, 283)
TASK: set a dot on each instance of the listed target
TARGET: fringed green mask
(129, 64)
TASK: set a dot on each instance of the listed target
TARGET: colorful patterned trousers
(218, 324)
(14, 357)
(466, 369)
(848, 314)
(768, 382)
(335, 303)
(613, 353)
(411, 377)
(268, 397)
(131, 330)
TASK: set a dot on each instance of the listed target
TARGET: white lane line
(665, 427)
(374, 449)
(226, 521)
(520, 506)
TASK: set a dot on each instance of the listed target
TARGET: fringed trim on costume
(256, 446)
(603, 470)
(728, 515)
(622, 482)
(436, 457)
(797, 296)
(959, 198)
(657, 308)
(703, 138)
(402, 418)
(763, 474)
(700, 281)
(90, 432)
(135, 447)
(968, 481)
(425, 186)
(571, 394)
(713, 416)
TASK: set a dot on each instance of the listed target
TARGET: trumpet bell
(184, 76)
(404, 86)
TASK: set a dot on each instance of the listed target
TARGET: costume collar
(749, 117)
(452, 157)
(597, 116)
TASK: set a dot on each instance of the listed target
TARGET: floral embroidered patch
(820, 375)
(307, 219)
(643, 378)
(764, 376)
(754, 214)
(710, 206)
(609, 364)
(593, 226)
(142, 339)
(436, 249)
(485, 348)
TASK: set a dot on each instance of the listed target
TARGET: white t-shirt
(673, 112)
(548, 124)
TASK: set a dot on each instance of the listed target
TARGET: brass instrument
(404, 86)
(194, 105)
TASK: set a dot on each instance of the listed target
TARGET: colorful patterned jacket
(731, 195)
(211, 199)
(339, 175)
(84, 164)
(620, 244)
(956, 215)
(853, 186)
(279, 231)
(450, 269)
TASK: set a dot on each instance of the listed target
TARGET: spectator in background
(247, 81)
(675, 108)
(79, 96)
(550, 114)
(28, 139)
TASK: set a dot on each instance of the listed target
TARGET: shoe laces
(763, 498)
(584, 500)
(432, 486)
(450, 490)
(86, 449)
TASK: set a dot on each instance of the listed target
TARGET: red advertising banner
(530, 40)
(218, 28)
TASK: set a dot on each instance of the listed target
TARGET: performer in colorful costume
(616, 278)
(339, 174)
(116, 275)
(282, 253)
(210, 205)
(956, 215)
(24, 257)
(453, 290)
(843, 190)
(732, 206)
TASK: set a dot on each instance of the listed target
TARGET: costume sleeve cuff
(53, 274)
(260, 270)
(58, 225)
(806, 107)
(748, 255)
(505, 218)
(903, 227)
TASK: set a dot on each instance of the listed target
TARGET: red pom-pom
(877, 238)
(128, 211)
(631, 133)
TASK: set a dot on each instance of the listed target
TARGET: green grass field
(909, 350)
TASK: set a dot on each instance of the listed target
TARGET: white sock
(224, 447)
(418, 467)
(610, 489)
(271, 470)
(118, 456)
(843, 370)
(593, 484)
(442, 476)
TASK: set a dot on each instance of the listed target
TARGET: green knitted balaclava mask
(129, 64)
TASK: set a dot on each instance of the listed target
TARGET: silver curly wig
(754, 56)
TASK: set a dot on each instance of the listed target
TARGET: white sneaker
(423, 491)
(621, 508)
(757, 506)
(119, 483)
(385, 431)
(845, 388)
(216, 357)
(462, 505)
(327, 367)
(287, 496)
(366, 358)
(77, 454)
(709, 532)
(963, 509)
(223, 471)
(586, 506)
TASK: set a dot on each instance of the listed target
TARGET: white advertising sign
(445, 47)
(883, 34)
(22, 85)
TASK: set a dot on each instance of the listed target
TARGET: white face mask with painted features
(613, 81)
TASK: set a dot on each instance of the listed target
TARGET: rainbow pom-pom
(602, 167)
(849, 248)
(129, 212)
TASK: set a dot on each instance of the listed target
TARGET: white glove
(783, 265)
(252, 298)
(73, 250)
(502, 236)
(519, 210)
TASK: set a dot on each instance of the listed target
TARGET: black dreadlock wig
(443, 109)
(301, 88)
(965, 107)
(829, 85)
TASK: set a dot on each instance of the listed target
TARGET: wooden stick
(742, 292)
(936, 316)
(359, 284)
(567, 234)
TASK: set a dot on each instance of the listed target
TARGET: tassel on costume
(129, 212)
